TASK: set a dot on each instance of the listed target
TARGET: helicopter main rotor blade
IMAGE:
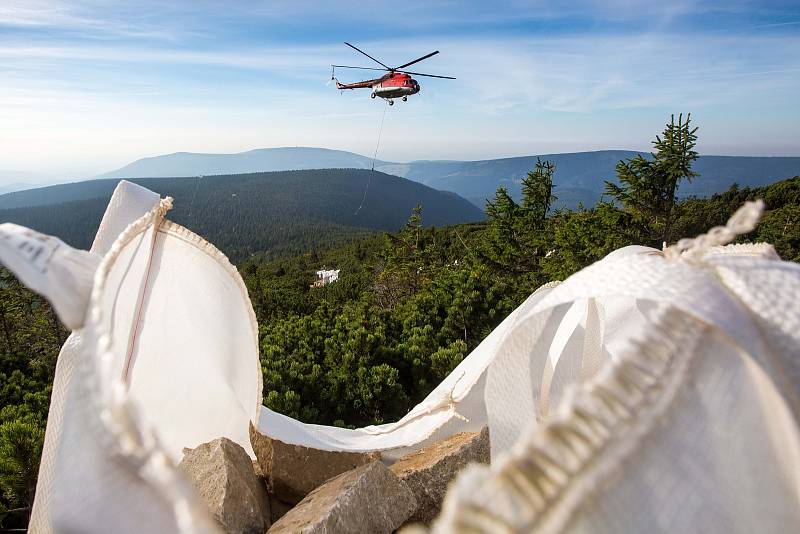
(428, 75)
(362, 68)
(369, 56)
(417, 60)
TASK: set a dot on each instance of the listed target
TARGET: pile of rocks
(290, 488)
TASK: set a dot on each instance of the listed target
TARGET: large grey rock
(278, 508)
(369, 498)
(428, 472)
(293, 471)
(222, 473)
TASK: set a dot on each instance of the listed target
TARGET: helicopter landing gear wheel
(405, 99)
(372, 95)
(391, 102)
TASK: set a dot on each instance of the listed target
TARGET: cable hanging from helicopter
(396, 83)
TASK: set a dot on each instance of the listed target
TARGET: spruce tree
(537, 193)
(502, 240)
(647, 187)
(517, 231)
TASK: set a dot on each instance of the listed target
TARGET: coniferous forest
(408, 305)
(268, 214)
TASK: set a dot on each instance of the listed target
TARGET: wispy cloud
(94, 20)
(778, 24)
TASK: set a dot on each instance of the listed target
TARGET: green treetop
(647, 187)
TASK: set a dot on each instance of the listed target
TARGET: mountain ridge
(579, 177)
(277, 212)
(255, 160)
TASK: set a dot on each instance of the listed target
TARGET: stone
(293, 471)
(369, 498)
(278, 508)
(428, 471)
(222, 473)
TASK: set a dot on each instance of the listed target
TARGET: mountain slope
(579, 176)
(16, 186)
(276, 213)
(56, 194)
(260, 160)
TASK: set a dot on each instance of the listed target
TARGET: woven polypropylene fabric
(133, 404)
(133, 386)
(771, 290)
(707, 440)
(514, 386)
(128, 203)
(724, 459)
(65, 369)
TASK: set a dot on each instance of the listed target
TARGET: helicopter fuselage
(396, 85)
(392, 85)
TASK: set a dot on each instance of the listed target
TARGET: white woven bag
(688, 424)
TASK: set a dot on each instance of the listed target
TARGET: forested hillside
(580, 178)
(581, 175)
(408, 305)
(268, 213)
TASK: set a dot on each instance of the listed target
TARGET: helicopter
(396, 83)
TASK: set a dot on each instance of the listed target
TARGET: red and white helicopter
(395, 84)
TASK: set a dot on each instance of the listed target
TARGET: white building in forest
(325, 277)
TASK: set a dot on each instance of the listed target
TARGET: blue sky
(87, 86)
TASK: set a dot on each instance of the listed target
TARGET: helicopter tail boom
(357, 85)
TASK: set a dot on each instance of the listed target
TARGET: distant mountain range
(17, 181)
(579, 176)
(274, 213)
(16, 186)
(11, 180)
(260, 160)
